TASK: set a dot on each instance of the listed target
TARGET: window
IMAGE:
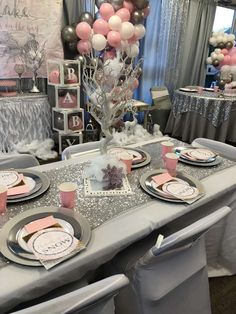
(224, 19)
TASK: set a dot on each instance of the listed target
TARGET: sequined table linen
(24, 117)
(202, 115)
(100, 209)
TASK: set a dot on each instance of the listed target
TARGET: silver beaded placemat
(100, 209)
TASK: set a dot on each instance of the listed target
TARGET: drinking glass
(19, 69)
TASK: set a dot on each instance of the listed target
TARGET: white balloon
(132, 51)
(214, 56)
(115, 23)
(220, 57)
(139, 31)
(231, 37)
(212, 41)
(209, 60)
(127, 30)
(124, 44)
(219, 39)
(217, 50)
(215, 34)
(99, 42)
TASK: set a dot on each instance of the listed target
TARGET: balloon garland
(107, 48)
(224, 52)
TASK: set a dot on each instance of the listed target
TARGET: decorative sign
(30, 33)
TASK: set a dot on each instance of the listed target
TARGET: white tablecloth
(19, 283)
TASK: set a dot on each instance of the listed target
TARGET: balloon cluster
(119, 26)
(224, 53)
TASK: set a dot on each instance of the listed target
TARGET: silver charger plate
(42, 184)
(144, 154)
(146, 178)
(200, 163)
(9, 245)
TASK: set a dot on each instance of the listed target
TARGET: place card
(180, 190)
(54, 245)
(9, 178)
(160, 179)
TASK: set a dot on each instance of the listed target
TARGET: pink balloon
(225, 51)
(232, 51)
(146, 11)
(83, 30)
(129, 6)
(233, 60)
(227, 59)
(124, 14)
(133, 39)
(101, 26)
(84, 47)
(114, 39)
(106, 11)
(135, 83)
(54, 77)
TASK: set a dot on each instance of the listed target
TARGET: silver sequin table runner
(100, 209)
(207, 104)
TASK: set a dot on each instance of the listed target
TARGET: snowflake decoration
(114, 177)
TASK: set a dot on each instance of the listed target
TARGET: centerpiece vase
(35, 88)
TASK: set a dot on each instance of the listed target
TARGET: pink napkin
(40, 224)
(162, 178)
(19, 189)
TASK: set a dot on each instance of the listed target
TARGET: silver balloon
(81, 59)
(86, 17)
(68, 34)
(137, 17)
(117, 4)
(141, 4)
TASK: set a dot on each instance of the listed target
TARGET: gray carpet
(223, 295)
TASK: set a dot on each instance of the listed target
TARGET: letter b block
(68, 121)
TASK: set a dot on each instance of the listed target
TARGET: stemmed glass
(19, 69)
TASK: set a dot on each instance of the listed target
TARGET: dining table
(120, 221)
(24, 118)
(206, 114)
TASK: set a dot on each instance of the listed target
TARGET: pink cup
(166, 147)
(67, 194)
(127, 159)
(3, 199)
(171, 161)
(200, 90)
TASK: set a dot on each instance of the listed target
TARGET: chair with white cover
(76, 150)
(17, 161)
(161, 105)
(223, 149)
(96, 298)
(172, 276)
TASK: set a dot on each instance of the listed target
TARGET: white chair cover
(171, 278)
(223, 149)
(17, 161)
(74, 150)
(96, 298)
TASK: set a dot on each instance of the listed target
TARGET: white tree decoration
(109, 96)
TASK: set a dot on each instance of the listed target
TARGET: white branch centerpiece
(109, 87)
